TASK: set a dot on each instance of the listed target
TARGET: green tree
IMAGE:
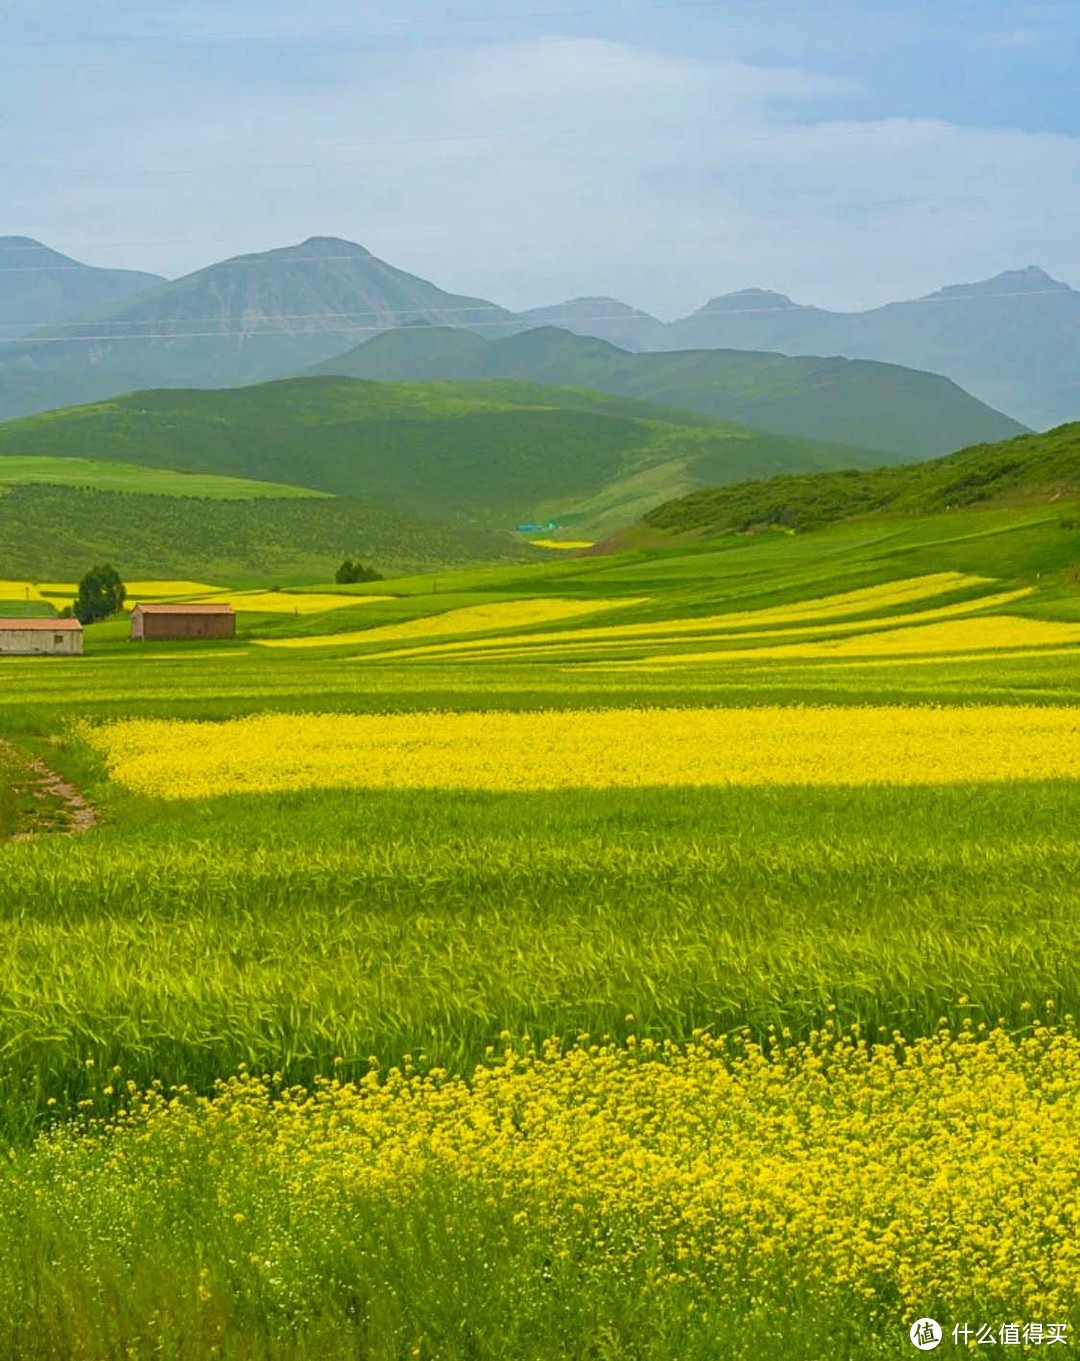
(101, 593)
(350, 572)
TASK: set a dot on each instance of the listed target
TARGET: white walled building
(31, 637)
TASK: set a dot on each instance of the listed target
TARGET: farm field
(671, 954)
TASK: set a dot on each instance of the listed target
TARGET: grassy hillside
(52, 532)
(24, 391)
(100, 475)
(1033, 466)
(489, 453)
(876, 406)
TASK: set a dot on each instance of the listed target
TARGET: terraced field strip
(985, 635)
(592, 749)
(711, 629)
(501, 615)
(22, 590)
(459, 632)
(65, 591)
(288, 602)
(201, 592)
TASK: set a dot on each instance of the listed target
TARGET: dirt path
(41, 802)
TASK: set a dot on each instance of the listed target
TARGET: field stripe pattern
(592, 749)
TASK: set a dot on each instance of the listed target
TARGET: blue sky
(844, 153)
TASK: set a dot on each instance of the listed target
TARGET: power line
(566, 320)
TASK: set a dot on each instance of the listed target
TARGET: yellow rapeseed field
(865, 600)
(262, 602)
(986, 633)
(294, 602)
(943, 1171)
(710, 628)
(565, 749)
(169, 590)
(503, 614)
(565, 544)
(140, 590)
(20, 590)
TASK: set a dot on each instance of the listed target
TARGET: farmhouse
(29, 637)
(150, 622)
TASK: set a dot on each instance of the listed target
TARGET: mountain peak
(40, 287)
(605, 318)
(315, 248)
(750, 300)
(559, 341)
(24, 250)
(1010, 283)
(326, 246)
(593, 307)
(594, 300)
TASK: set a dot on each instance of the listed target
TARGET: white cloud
(532, 171)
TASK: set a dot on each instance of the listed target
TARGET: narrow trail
(47, 803)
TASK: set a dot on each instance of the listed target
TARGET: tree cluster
(350, 572)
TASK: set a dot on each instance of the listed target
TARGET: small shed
(153, 622)
(41, 637)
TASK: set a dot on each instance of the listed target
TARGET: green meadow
(310, 934)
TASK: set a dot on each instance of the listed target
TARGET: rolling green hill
(1033, 467)
(24, 391)
(489, 454)
(841, 401)
(55, 533)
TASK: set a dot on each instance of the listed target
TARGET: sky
(845, 152)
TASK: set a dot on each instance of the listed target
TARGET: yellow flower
(595, 749)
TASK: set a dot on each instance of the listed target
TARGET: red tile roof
(58, 625)
(185, 609)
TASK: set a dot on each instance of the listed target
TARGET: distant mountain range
(1013, 341)
(242, 321)
(605, 318)
(39, 286)
(70, 332)
(883, 407)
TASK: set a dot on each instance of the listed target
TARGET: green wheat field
(373, 970)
